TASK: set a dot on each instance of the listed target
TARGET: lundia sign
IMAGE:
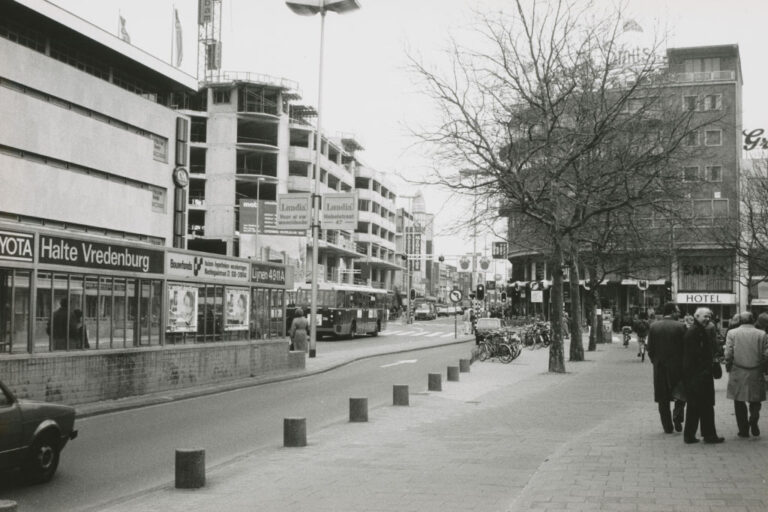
(17, 246)
(80, 253)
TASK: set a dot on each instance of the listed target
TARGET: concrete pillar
(190, 468)
(435, 382)
(453, 374)
(358, 410)
(400, 395)
(464, 365)
(294, 432)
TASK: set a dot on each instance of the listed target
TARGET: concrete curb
(128, 403)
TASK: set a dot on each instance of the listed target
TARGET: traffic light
(413, 293)
(480, 292)
(503, 296)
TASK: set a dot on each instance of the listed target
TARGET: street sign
(499, 250)
(294, 211)
(455, 296)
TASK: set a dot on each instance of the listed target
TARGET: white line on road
(433, 334)
(446, 335)
(403, 361)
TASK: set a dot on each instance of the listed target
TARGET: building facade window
(714, 173)
(691, 139)
(221, 96)
(713, 101)
(702, 65)
(691, 173)
(713, 137)
(689, 102)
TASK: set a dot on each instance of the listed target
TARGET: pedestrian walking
(298, 331)
(64, 326)
(746, 355)
(698, 357)
(665, 351)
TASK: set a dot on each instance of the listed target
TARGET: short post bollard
(190, 468)
(358, 410)
(7, 506)
(453, 374)
(464, 365)
(400, 394)
(435, 382)
(294, 432)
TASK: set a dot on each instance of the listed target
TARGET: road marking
(403, 361)
(433, 334)
(446, 335)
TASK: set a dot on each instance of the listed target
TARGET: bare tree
(556, 124)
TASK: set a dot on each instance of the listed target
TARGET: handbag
(717, 370)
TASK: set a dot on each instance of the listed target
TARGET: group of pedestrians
(686, 363)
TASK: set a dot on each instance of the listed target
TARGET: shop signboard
(294, 211)
(206, 267)
(340, 211)
(182, 308)
(267, 274)
(268, 221)
(56, 250)
(16, 246)
(706, 298)
(249, 216)
(537, 296)
(238, 309)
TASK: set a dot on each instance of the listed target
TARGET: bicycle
(500, 345)
(627, 331)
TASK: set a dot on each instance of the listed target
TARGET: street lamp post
(310, 8)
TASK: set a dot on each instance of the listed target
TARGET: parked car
(485, 326)
(33, 434)
(445, 310)
(425, 312)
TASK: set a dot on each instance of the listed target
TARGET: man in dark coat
(665, 350)
(698, 353)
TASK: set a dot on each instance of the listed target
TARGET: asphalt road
(122, 454)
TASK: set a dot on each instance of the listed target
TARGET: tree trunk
(577, 346)
(556, 356)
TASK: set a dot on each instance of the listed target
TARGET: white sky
(367, 91)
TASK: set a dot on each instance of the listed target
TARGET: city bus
(343, 310)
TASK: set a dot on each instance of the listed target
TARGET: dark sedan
(32, 434)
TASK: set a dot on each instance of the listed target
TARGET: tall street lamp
(310, 8)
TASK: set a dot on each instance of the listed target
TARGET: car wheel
(378, 328)
(43, 458)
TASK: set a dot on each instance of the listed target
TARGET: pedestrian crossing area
(412, 333)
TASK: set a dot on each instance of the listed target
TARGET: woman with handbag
(746, 354)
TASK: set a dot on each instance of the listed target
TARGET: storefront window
(14, 310)
(277, 321)
(119, 314)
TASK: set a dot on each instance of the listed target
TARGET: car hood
(45, 408)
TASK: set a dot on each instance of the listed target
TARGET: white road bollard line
(432, 334)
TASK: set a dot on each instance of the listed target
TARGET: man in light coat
(746, 354)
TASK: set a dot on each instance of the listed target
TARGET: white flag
(179, 47)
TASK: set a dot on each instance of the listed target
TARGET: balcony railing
(703, 76)
(256, 78)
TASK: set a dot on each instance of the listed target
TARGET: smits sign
(17, 246)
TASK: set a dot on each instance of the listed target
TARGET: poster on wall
(238, 309)
(182, 308)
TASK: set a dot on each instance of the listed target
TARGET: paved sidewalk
(504, 438)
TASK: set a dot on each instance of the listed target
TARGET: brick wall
(92, 376)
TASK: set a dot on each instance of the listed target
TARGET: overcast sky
(367, 91)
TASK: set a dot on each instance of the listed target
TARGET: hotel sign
(340, 211)
(706, 298)
(57, 250)
(191, 266)
(17, 246)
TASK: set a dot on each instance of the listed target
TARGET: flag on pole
(179, 47)
(123, 32)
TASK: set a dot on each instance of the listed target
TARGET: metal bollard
(400, 395)
(464, 365)
(190, 468)
(435, 382)
(294, 432)
(453, 374)
(7, 506)
(358, 410)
